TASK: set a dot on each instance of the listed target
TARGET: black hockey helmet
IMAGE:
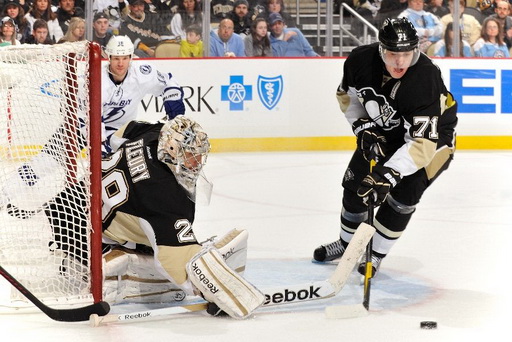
(398, 35)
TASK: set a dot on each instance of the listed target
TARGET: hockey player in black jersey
(149, 192)
(402, 113)
(149, 199)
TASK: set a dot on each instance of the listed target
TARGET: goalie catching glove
(220, 284)
(369, 139)
(378, 184)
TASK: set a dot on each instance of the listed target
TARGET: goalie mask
(399, 43)
(183, 146)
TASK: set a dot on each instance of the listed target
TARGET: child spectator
(491, 43)
(39, 33)
(193, 45)
(257, 44)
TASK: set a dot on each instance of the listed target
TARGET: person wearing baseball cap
(100, 30)
(288, 41)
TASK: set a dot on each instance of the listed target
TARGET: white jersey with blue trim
(120, 100)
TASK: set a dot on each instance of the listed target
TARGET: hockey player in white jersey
(126, 81)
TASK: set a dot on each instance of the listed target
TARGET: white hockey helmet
(119, 46)
(183, 145)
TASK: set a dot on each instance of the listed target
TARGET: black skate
(329, 252)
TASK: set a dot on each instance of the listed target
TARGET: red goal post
(50, 142)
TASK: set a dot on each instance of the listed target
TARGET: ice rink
(450, 265)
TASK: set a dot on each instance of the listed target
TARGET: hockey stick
(63, 315)
(368, 270)
(283, 294)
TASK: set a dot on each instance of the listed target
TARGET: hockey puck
(428, 325)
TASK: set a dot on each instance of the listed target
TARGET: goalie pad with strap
(220, 284)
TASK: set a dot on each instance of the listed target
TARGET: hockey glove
(369, 139)
(375, 187)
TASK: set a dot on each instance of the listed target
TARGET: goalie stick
(63, 315)
(283, 294)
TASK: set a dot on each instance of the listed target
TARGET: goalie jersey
(416, 113)
(144, 204)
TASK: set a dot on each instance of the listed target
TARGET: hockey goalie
(151, 254)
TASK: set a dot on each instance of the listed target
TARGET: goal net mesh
(45, 199)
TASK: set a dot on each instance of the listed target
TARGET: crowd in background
(252, 28)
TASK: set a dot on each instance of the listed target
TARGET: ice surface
(450, 265)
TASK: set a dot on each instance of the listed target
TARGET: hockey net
(50, 172)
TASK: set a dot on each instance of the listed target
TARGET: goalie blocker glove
(369, 139)
(378, 184)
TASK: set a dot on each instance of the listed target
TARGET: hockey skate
(329, 252)
(376, 261)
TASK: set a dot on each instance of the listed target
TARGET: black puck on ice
(428, 325)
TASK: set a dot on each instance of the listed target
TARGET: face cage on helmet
(416, 54)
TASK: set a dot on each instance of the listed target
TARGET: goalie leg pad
(221, 285)
(233, 248)
(131, 277)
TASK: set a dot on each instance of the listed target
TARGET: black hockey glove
(369, 139)
(375, 187)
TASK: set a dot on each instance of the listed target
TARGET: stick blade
(346, 311)
(78, 314)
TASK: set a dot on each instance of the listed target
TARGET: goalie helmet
(399, 35)
(119, 46)
(183, 146)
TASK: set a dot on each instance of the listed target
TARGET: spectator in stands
(66, 11)
(444, 47)
(76, 31)
(257, 43)
(143, 29)
(8, 30)
(491, 43)
(15, 11)
(437, 7)
(113, 9)
(486, 7)
(39, 33)
(288, 41)
(225, 43)
(41, 9)
(220, 9)
(242, 18)
(470, 28)
(502, 14)
(189, 13)
(428, 25)
(100, 32)
(389, 9)
(193, 45)
(277, 6)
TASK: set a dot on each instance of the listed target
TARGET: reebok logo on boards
(291, 296)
